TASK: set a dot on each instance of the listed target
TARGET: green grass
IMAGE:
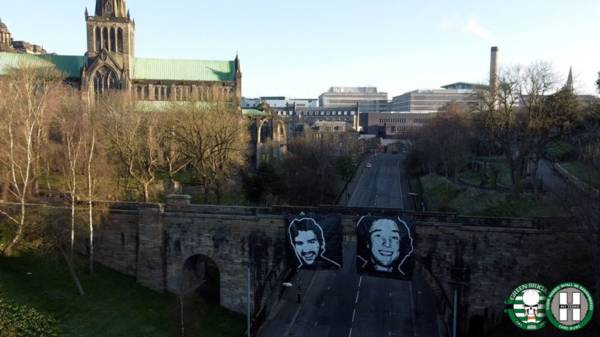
(492, 169)
(586, 173)
(438, 192)
(558, 150)
(114, 304)
(442, 195)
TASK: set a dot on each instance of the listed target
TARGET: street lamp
(248, 300)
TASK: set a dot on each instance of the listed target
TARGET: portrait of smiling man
(384, 246)
(308, 243)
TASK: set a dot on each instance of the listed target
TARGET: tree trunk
(146, 191)
(9, 248)
(72, 248)
(90, 202)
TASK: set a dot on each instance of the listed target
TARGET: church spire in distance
(111, 8)
(570, 80)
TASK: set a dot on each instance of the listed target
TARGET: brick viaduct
(486, 258)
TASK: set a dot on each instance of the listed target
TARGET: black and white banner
(315, 242)
(385, 247)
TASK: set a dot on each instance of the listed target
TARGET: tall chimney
(494, 77)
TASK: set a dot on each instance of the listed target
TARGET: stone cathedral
(110, 63)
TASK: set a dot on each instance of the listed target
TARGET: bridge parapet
(494, 255)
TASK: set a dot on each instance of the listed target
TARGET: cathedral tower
(110, 47)
(5, 38)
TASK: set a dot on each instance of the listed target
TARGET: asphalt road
(343, 304)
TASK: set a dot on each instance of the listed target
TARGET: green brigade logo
(526, 306)
(570, 306)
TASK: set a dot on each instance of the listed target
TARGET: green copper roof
(183, 70)
(69, 65)
(166, 105)
(143, 69)
(253, 113)
(14, 60)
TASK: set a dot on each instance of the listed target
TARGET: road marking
(412, 309)
(289, 329)
(355, 303)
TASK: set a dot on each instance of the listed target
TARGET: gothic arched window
(105, 36)
(113, 39)
(98, 31)
(105, 79)
(120, 40)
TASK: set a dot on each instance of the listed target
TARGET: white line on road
(287, 333)
(355, 303)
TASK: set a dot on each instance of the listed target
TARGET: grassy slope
(586, 173)
(114, 305)
(443, 195)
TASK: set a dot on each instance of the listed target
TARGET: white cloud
(471, 27)
(475, 28)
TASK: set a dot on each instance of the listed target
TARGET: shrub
(24, 321)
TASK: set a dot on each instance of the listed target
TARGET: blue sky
(300, 48)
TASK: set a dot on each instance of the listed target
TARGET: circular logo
(570, 306)
(526, 306)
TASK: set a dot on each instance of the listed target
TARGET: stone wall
(484, 258)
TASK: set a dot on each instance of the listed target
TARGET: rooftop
(143, 69)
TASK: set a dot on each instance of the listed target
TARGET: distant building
(331, 126)
(368, 98)
(296, 117)
(304, 102)
(279, 102)
(388, 124)
(250, 103)
(7, 44)
(275, 101)
(110, 64)
(432, 100)
(465, 86)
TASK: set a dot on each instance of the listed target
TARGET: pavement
(344, 304)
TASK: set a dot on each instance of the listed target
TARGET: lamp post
(248, 313)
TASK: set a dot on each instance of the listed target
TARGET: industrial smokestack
(494, 76)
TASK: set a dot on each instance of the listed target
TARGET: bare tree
(213, 138)
(25, 107)
(133, 137)
(525, 114)
(72, 124)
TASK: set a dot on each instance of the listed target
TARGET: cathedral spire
(569, 84)
(111, 8)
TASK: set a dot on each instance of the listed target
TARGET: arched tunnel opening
(201, 279)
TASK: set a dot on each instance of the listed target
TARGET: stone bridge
(179, 247)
